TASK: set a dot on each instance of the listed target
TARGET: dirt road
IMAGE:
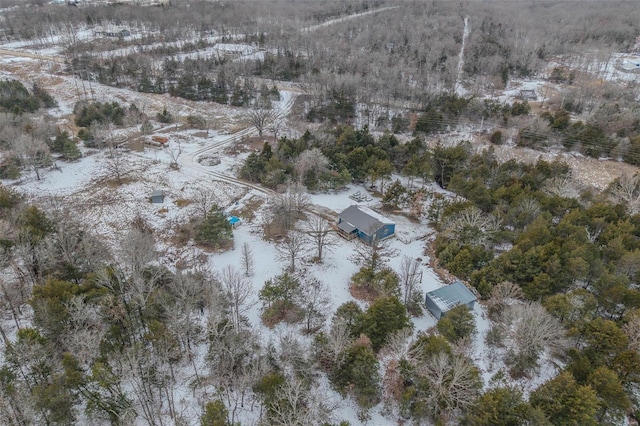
(15, 53)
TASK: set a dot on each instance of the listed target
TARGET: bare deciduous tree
(626, 189)
(315, 301)
(373, 255)
(472, 226)
(33, 152)
(139, 368)
(116, 163)
(76, 248)
(410, 276)
(506, 292)
(398, 345)
(85, 330)
(137, 254)
(276, 126)
(535, 329)
(28, 261)
(453, 383)
(311, 160)
(338, 339)
(260, 118)
(13, 297)
(204, 200)
(632, 329)
(190, 291)
(175, 151)
(137, 250)
(246, 259)
(562, 186)
(236, 364)
(288, 206)
(292, 249)
(297, 405)
(320, 234)
(238, 291)
(528, 331)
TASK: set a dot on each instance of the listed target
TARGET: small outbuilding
(528, 95)
(234, 221)
(364, 223)
(442, 300)
(157, 196)
(112, 32)
(230, 50)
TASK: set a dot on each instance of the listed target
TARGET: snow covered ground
(87, 187)
(106, 207)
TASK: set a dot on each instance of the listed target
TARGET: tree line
(518, 236)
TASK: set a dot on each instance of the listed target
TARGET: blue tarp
(233, 220)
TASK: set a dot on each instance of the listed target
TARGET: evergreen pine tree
(358, 374)
(215, 230)
(385, 316)
(458, 323)
(215, 414)
(565, 402)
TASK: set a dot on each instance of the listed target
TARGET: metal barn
(442, 300)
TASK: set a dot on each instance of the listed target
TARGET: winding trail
(193, 161)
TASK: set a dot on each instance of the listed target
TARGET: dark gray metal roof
(450, 296)
(346, 227)
(363, 218)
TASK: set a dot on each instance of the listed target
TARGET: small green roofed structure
(442, 300)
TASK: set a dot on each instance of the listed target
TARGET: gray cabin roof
(157, 193)
(346, 227)
(363, 219)
(448, 297)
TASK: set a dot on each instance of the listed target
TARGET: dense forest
(407, 56)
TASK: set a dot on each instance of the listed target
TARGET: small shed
(234, 221)
(364, 223)
(528, 95)
(442, 300)
(227, 50)
(112, 32)
(157, 196)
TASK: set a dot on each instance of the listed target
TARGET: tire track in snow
(192, 162)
